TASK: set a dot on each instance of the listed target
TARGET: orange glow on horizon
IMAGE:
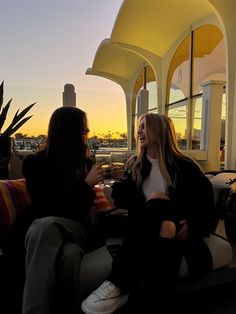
(105, 109)
(99, 129)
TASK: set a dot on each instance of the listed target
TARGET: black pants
(146, 260)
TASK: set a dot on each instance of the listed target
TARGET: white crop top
(154, 182)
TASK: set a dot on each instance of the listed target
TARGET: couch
(96, 264)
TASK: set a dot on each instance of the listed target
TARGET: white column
(211, 125)
(143, 96)
(226, 13)
(128, 97)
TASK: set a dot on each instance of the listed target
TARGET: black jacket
(50, 196)
(191, 199)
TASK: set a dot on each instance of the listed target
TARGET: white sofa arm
(97, 264)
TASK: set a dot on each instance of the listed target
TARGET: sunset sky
(48, 43)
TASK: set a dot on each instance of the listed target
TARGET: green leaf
(18, 119)
(1, 94)
(3, 114)
(13, 128)
(15, 116)
(19, 116)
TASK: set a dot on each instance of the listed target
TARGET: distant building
(69, 95)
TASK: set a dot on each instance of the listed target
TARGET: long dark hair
(66, 147)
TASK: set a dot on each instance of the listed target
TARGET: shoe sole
(118, 305)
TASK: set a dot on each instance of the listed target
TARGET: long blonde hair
(161, 133)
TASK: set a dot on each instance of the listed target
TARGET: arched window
(208, 56)
(179, 73)
(199, 58)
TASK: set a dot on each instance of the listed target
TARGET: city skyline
(49, 44)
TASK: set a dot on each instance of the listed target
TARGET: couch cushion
(13, 199)
(221, 252)
(223, 179)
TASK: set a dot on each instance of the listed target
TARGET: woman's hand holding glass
(97, 173)
(117, 170)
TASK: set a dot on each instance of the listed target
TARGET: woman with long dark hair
(60, 181)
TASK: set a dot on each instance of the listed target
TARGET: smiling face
(142, 133)
(148, 135)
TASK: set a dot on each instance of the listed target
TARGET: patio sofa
(96, 264)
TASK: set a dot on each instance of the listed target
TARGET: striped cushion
(13, 199)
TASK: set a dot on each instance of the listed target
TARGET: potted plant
(5, 137)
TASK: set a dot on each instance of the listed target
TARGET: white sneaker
(105, 300)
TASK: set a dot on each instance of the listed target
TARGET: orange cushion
(13, 199)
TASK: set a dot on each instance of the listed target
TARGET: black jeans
(146, 260)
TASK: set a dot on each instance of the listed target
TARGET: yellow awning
(153, 25)
(115, 63)
(156, 24)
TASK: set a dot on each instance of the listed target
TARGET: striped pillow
(13, 199)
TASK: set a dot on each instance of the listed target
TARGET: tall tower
(69, 95)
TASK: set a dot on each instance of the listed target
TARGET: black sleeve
(197, 200)
(123, 192)
(50, 197)
(126, 195)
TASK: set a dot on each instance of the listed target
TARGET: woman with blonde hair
(169, 202)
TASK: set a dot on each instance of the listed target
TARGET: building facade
(182, 53)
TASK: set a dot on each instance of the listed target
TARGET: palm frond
(14, 127)
(1, 94)
(3, 114)
(19, 116)
(15, 115)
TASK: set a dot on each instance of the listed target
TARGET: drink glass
(102, 184)
(117, 171)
